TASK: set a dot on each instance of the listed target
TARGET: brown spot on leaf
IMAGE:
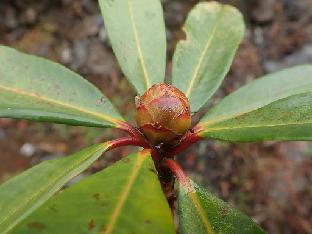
(126, 160)
(96, 196)
(147, 221)
(53, 208)
(91, 224)
(103, 227)
(36, 226)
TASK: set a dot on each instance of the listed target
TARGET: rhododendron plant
(142, 192)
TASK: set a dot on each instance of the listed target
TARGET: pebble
(302, 56)
(28, 150)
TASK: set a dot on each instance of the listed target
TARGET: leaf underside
(136, 30)
(274, 107)
(37, 89)
(24, 193)
(124, 198)
(201, 212)
(201, 61)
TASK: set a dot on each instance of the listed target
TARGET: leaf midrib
(48, 186)
(125, 192)
(138, 45)
(55, 102)
(253, 126)
(220, 119)
(194, 198)
(201, 57)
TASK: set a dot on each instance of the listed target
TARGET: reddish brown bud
(163, 114)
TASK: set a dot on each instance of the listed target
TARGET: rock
(67, 55)
(302, 56)
(174, 14)
(29, 16)
(28, 150)
(9, 17)
(100, 61)
(80, 53)
(262, 10)
(2, 134)
(92, 25)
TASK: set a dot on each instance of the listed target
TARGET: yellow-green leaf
(34, 88)
(137, 33)
(124, 198)
(201, 61)
(277, 106)
(24, 193)
(201, 212)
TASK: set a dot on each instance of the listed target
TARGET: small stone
(66, 55)
(28, 150)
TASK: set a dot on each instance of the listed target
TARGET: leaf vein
(137, 42)
(46, 188)
(201, 212)
(223, 118)
(254, 126)
(67, 105)
(123, 196)
(202, 56)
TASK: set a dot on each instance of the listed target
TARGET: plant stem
(168, 170)
(181, 176)
(155, 155)
(187, 140)
(167, 180)
(139, 137)
(124, 141)
(133, 131)
(163, 158)
(168, 188)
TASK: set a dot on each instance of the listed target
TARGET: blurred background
(270, 181)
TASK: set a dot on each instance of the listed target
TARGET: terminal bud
(163, 114)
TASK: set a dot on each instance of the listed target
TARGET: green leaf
(24, 193)
(124, 198)
(200, 63)
(275, 107)
(34, 88)
(137, 33)
(201, 212)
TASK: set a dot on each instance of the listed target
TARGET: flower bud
(163, 114)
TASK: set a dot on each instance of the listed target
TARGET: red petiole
(126, 141)
(131, 130)
(162, 157)
(187, 140)
(138, 139)
(176, 169)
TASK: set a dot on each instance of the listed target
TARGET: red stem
(139, 139)
(181, 176)
(130, 129)
(156, 157)
(133, 131)
(189, 139)
(126, 141)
